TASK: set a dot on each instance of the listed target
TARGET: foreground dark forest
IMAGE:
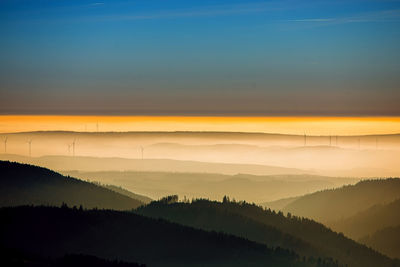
(55, 232)
(302, 235)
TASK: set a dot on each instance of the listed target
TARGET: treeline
(371, 220)
(15, 258)
(366, 212)
(306, 237)
(53, 232)
(332, 205)
(22, 184)
(386, 240)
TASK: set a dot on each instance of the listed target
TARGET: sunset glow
(284, 125)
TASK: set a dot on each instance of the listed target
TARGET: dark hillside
(336, 204)
(22, 184)
(54, 232)
(304, 236)
(371, 220)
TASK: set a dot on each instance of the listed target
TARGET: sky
(200, 58)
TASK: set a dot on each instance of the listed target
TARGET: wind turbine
(73, 148)
(141, 149)
(5, 145)
(305, 139)
(30, 147)
(330, 140)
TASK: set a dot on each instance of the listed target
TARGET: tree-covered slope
(304, 236)
(336, 204)
(386, 240)
(16, 258)
(22, 184)
(127, 193)
(54, 232)
(371, 220)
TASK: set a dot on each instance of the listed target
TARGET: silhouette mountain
(304, 236)
(386, 240)
(332, 205)
(371, 220)
(377, 227)
(16, 258)
(22, 184)
(67, 163)
(254, 188)
(53, 232)
(127, 193)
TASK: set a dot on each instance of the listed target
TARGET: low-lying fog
(252, 167)
(363, 156)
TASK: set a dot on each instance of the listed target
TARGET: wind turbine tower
(142, 151)
(30, 147)
(305, 139)
(73, 148)
(5, 145)
(330, 140)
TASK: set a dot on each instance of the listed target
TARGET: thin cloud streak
(381, 16)
(205, 12)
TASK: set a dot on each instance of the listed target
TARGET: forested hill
(371, 220)
(304, 236)
(54, 232)
(22, 184)
(17, 258)
(336, 204)
(127, 193)
(386, 240)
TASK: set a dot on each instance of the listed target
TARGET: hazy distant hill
(304, 236)
(22, 184)
(378, 227)
(253, 188)
(280, 203)
(54, 232)
(65, 163)
(127, 193)
(371, 220)
(335, 204)
(386, 240)
(323, 155)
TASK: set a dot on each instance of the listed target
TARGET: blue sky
(200, 57)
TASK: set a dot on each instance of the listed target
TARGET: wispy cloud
(311, 20)
(209, 11)
(380, 16)
(97, 4)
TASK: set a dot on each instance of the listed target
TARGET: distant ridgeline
(368, 211)
(304, 236)
(22, 184)
(335, 204)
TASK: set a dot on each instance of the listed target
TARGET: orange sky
(287, 125)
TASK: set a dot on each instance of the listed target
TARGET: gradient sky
(239, 58)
